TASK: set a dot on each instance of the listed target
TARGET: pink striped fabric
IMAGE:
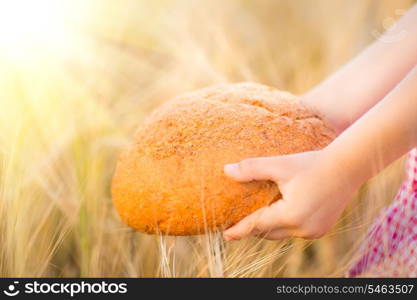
(390, 248)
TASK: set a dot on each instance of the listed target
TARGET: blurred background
(76, 79)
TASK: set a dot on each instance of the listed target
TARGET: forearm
(359, 85)
(381, 136)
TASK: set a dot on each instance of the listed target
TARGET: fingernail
(231, 170)
(226, 236)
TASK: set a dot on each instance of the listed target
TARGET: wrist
(345, 172)
(327, 113)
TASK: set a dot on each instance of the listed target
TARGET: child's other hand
(313, 196)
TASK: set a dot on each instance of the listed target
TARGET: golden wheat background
(64, 119)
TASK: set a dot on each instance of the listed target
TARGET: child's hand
(316, 186)
(313, 197)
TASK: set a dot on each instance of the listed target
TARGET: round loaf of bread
(170, 179)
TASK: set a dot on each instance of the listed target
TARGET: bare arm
(359, 85)
(382, 135)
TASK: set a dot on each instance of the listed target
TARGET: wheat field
(66, 112)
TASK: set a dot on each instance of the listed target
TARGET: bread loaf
(170, 179)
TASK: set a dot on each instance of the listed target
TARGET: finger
(260, 168)
(244, 227)
(278, 234)
(261, 221)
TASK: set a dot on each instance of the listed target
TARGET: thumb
(263, 221)
(261, 168)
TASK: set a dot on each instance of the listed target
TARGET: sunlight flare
(29, 27)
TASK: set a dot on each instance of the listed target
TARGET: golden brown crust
(170, 180)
